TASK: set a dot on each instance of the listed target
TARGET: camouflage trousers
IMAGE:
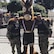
(16, 42)
(43, 43)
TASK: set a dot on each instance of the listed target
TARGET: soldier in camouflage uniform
(43, 33)
(13, 34)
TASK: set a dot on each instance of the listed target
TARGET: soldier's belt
(27, 31)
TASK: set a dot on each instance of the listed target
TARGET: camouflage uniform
(43, 32)
(13, 34)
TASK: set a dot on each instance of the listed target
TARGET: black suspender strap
(23, 25)
(33, 26)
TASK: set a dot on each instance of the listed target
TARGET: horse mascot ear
(27, 3)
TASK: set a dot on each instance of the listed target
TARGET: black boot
(13, 51)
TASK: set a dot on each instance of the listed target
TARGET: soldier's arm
(12, 19)
(20, 18)
(49, 30)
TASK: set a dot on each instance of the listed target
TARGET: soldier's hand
(34, 17)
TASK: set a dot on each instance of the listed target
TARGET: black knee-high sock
(25, 50)
(31, 49)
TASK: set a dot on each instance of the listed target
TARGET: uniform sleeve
(10, 25)
(48, 30)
